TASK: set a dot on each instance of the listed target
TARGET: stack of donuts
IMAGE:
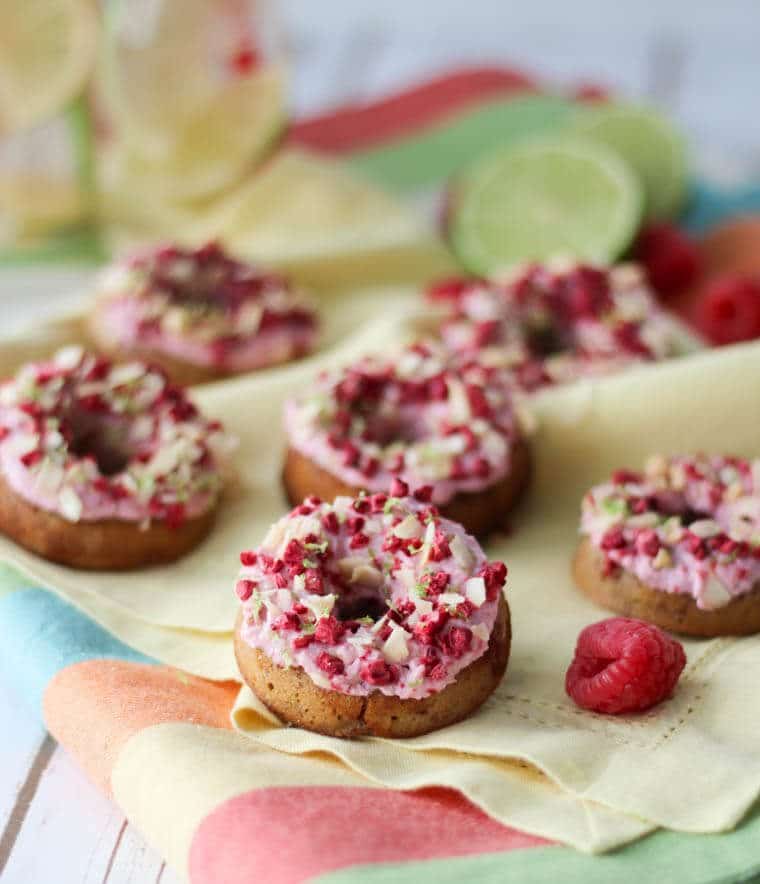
(371, 607)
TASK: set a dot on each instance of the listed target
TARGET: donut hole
(385, 430)
(103, 439)
(673, 503)
(545, 340)
(359, 601)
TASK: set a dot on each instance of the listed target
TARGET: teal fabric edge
(663, 857)
(42, 634)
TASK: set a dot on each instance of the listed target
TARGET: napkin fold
(274, 803)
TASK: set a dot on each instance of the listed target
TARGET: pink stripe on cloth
(356, 127)
(288, 834)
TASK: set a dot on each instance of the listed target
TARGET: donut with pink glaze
(552, 324)
(424, 415)
(677, 544)
(105, 466)
(200, 314)
(371, 615)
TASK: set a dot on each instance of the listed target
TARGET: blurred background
(698, 60)
(128, 121)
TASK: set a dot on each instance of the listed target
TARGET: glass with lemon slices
(47, 51)
(101, 100)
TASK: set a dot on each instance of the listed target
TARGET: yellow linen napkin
(691, 764)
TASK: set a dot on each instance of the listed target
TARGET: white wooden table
(696, 59)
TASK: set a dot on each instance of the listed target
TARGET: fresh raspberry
(729, 309)
(247, 557)
(670, 258)
(622, 665)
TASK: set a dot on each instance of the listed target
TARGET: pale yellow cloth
(691, 764)
(170, 766)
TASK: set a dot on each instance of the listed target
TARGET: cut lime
(47, 48)
(649, 144)
(544, 199)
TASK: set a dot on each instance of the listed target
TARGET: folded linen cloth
(159, 737)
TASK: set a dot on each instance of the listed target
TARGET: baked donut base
(294, 697)
(627, 595)
(479, 512)
(107, 545)
(179, 371)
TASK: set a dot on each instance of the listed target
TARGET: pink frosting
(553, 325)
(205, 308)
(425, 415)
(686, 525)
(370, 594)
(90, 440)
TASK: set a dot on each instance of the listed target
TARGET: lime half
(545, 199)
(649, 144)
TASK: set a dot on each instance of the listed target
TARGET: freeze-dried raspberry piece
(622, 665)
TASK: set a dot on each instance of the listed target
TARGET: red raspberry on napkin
(623, 665)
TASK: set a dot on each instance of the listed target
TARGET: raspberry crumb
(244, 589)
(379, 672)
(329, 664)
(622, 665)
(399, 488)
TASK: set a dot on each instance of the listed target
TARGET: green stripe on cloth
(664, 857)
(79, 246)
(429, 159)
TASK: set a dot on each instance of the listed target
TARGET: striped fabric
(224, 809)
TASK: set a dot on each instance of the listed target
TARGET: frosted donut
(371, 615)
(425, 417)
(200, 314)
(677, 544)
(105, 466)
(555, 324)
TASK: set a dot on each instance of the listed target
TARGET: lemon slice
(299, 211)
(303, 205)
(47, 49)
(217, 144)
(191, 124)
